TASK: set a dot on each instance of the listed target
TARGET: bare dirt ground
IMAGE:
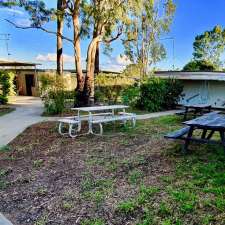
(46, 179)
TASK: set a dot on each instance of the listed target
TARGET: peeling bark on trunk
(89, 79)
(97, 67)
(79, 101)
(59, 39)
(97, 60)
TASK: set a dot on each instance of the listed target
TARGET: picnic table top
(100, 108)
(212, 120)
(202, 106)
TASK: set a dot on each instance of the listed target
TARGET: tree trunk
(97, 60)
(97, 67)
(89, 86)
(79, 100)
(59, 38)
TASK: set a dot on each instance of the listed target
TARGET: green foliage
(199, 65)
(53, 94)
(150, 19)
(127, 207)
(131, 95)
(210, 45)
(135, 176)
(93, 222)
(5, 148)
(172, 93)
(6, 86)
(157, 94)
(109, 87)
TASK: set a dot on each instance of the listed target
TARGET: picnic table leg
(195, 112)
(210, 134)
(204, 132)
(90, 129)
(210, 107)
(222, 136)
(185, 113)
(187, 140)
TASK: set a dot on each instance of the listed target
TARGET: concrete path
(28, 111)
(157, 114)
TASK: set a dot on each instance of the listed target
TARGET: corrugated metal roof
(16, 63)
(216, 76)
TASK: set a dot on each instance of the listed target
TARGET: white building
(200, 87)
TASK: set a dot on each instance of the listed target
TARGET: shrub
(131, 95)
(109, 87)
(157, 94)
(152, 95)
(173, 92)
(53, 94)
(6, 86)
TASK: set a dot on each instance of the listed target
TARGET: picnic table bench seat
(122, 116)
(178, 133)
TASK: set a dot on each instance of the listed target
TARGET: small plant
(38, 163)
(42, 220)
(67, 206)
(135, 176)
(127, 207)
(6, 86)
(93, 222)
(5, 148)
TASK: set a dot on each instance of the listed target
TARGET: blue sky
(192, 17)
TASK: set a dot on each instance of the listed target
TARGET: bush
(6, 86)
(158, 94)
(53, 94)
(152, 95)
(131, 95)
(109, 87)
(173, 92)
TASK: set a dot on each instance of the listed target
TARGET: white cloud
(116, 64)
(51, 57)
(123, 60)
(12, 11)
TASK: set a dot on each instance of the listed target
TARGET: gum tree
(150, 20)
(210, 45)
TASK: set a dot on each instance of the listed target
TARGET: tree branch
(119, 33)
(40, 28)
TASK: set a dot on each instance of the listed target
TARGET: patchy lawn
(5, 109)
(129, 176)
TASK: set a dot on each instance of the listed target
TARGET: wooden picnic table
(197, 108)
(208, 124)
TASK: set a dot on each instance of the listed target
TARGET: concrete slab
(28, 111)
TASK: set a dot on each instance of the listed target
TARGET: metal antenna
(6, 38)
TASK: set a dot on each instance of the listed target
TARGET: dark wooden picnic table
(197, 108)
(208, 124)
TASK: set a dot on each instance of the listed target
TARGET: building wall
(69, 81)
(211, 92)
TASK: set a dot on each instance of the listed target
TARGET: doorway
(29, 83)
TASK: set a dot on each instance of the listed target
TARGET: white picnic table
(94, 112)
